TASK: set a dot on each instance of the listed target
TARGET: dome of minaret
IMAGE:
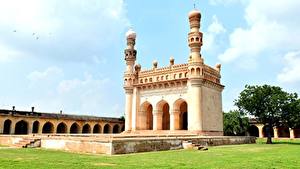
(194, 13)
(130, 34)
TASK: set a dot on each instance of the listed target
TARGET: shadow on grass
(280, 141)
(286, 142)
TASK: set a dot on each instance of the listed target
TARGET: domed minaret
(129, 76)
(195, 37)
(195, 73)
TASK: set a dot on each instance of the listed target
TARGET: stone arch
(6, 126)
(86, 129)
(197, 39)
(48, 127)
(198, 71)
(180, 110)
(116, 128)
(253, 131)
(62, 128)
(74, 129)
(180, 75)
(192, 39)
(146, 116)
(164, 108)
(106, 128)
(35, 126)
(265, 129)
(192, 71)
(97, 128)
(283, 132)
(21, 127)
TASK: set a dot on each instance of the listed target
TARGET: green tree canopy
(235, 124)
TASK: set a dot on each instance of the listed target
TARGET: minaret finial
(194, 5)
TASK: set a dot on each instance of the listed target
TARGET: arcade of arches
(30, 124)
(260, 130)
(160, 117)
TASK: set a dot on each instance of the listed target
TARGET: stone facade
(176, 97)
(30, 122)
(260, 130)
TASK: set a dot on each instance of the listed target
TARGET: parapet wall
(118, 144)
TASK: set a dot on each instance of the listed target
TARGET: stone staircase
(28, 143)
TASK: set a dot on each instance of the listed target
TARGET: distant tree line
(270, 105)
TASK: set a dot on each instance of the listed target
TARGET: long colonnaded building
(31, 122)
(178, 98)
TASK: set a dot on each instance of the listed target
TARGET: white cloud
(214, 29)
(36, 76)
(291, 71)
(271, 28)
(87, 95)
(72, 31)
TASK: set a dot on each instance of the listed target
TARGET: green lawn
(282, 154)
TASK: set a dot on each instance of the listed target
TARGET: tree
(235, 124)
(267, 103)
(291, 112)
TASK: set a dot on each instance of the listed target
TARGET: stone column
(194, 105)
(12, 127)
(41, 127)
(29, 129)
(1, 126)
(275, 130)
(174, 119)
(157, 120)
(292, 133)
(128, 109)
(260, 131)
(54, 128)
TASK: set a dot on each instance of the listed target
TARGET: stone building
(177, 97)
(30, 122)
(260, 130)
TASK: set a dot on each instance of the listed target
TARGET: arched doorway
(283, 132)
(74, 128)
(7, 126)
(297, 133)
(180, 113)
(146, 116)
(35, 127)
(86, 129)
(116, 128)
(106, 128)
(48, 128)
(123, 128)
(265, 129)
(21, 127)
(253, 131)
(166, 117)
(97, 128)
(61, 128)
(163, 108)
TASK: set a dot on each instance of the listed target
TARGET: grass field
(282, 154)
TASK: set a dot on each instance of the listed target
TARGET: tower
(195, 67)
(129, 76)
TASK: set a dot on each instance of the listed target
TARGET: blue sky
(68, 55)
